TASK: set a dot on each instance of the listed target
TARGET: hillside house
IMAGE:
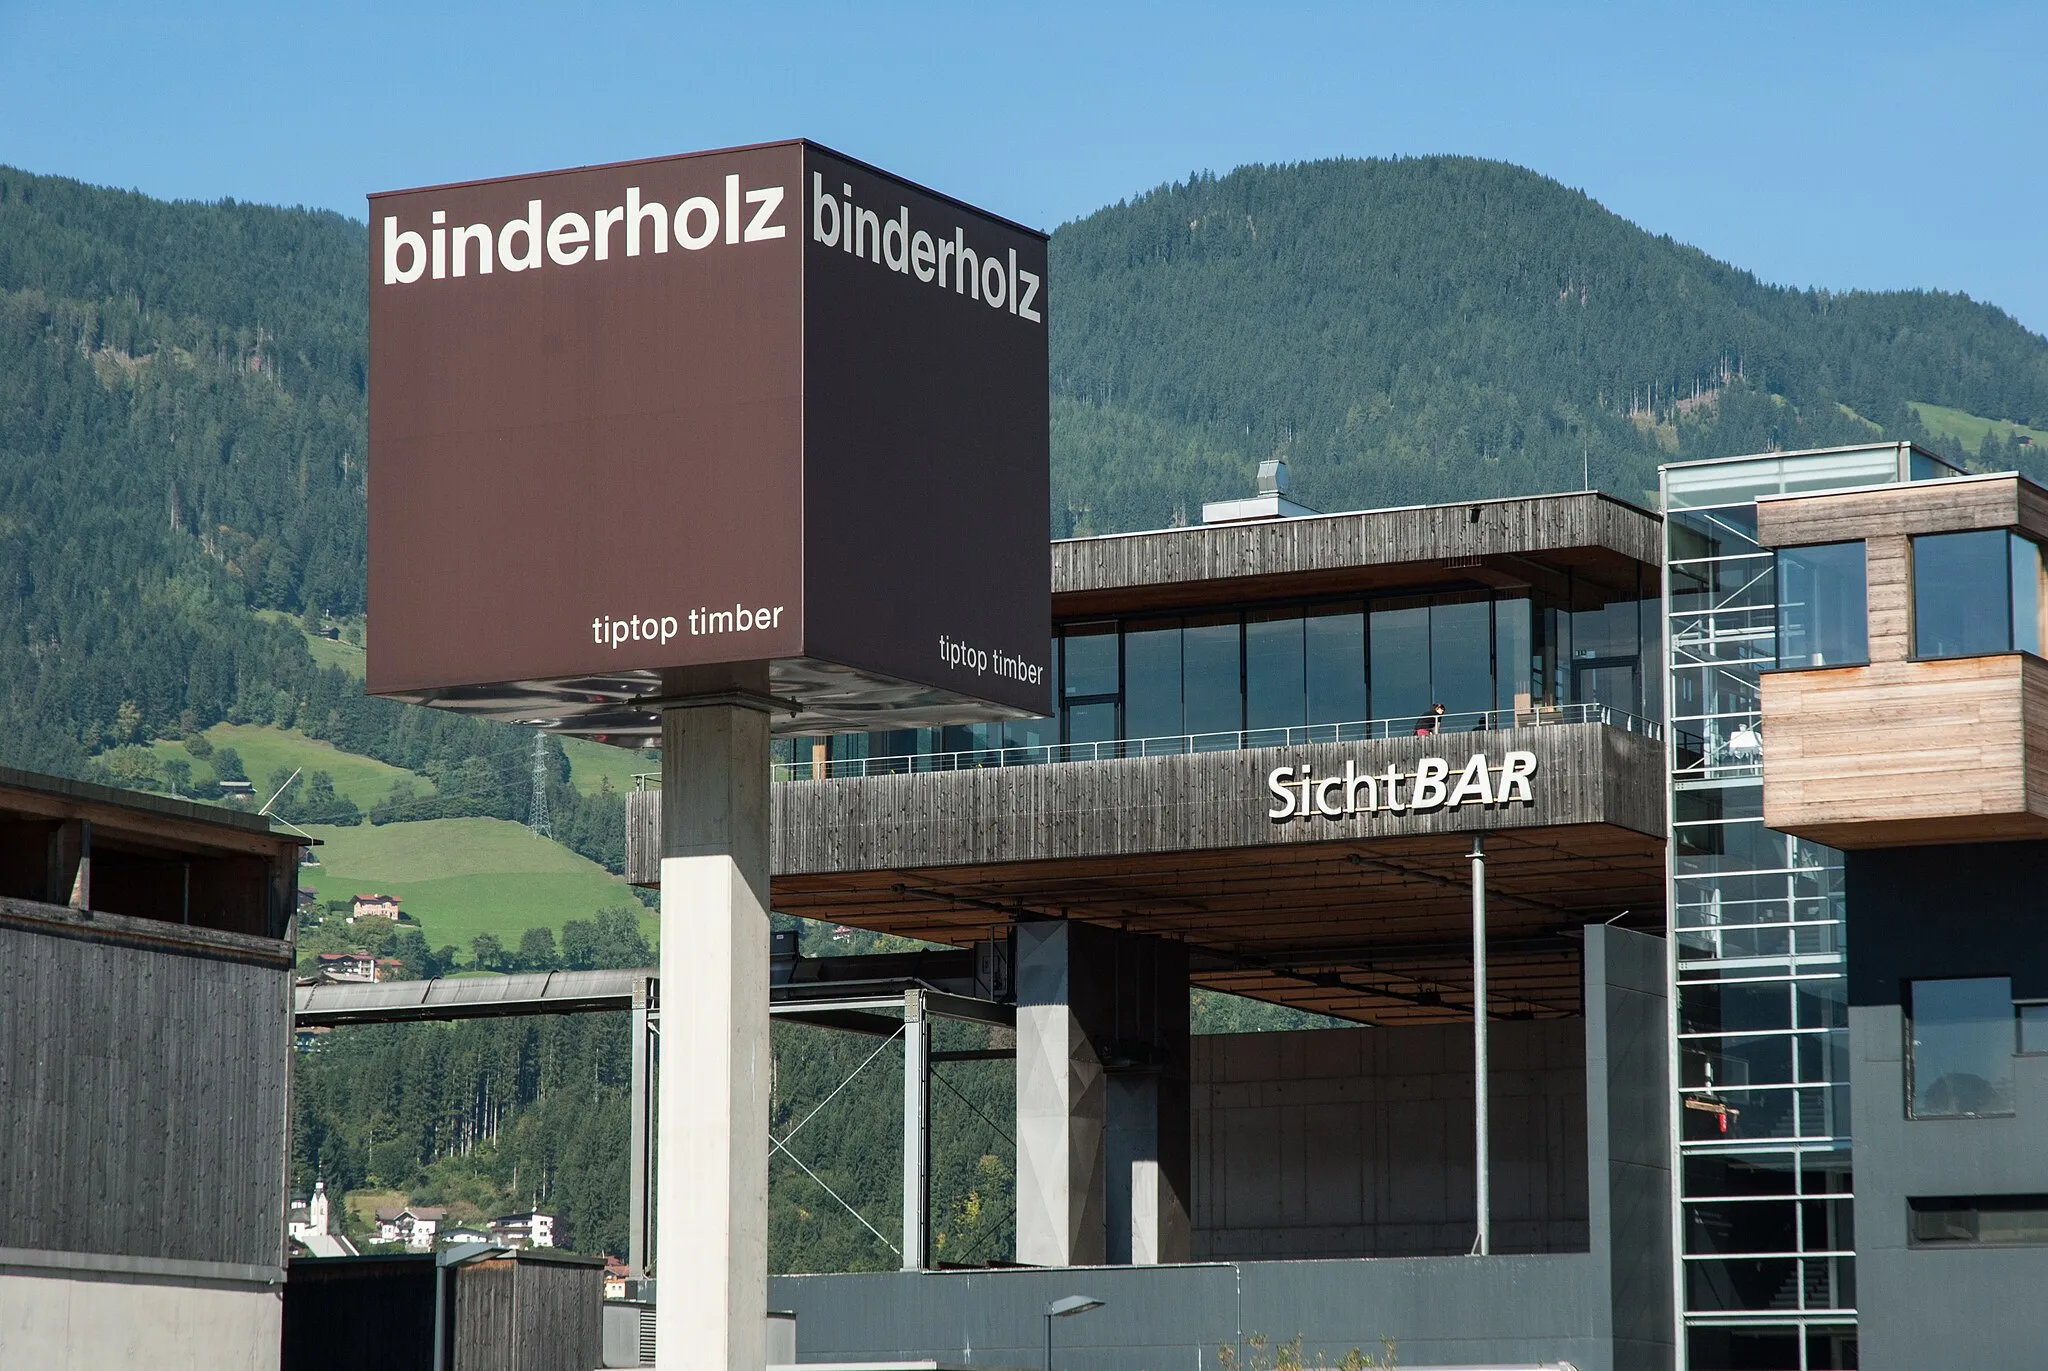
(374, 907)
(524, 1230)
(415, 1227)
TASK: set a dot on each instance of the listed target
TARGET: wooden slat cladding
(1898, 511)
(143, 1080)
(1903, 752)
(1585, 774)
(1593, 534)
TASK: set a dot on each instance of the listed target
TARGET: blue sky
(1865, 145)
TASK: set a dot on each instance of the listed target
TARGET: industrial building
(1751, 1102)
(145, 1037)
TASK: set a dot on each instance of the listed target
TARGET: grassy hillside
(592, 764)
(462, 877)
(1971, 430)
(265, 748)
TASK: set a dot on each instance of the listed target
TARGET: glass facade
(1823, 609)
(1977, 593)
(1766, 1263)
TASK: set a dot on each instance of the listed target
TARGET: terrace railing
(1052, 754)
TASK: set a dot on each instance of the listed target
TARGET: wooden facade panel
(1893, 511)
(143, 1088)
(1585, 774)
(1898, 742)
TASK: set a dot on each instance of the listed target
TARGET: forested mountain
(1440, 328)
(182, 476)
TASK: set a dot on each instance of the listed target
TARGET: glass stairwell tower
(1765, 1270)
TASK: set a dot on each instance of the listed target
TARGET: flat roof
(1587, 545)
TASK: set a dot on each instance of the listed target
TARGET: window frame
(1909, 1062)
(2012, 535)
(1778, 606)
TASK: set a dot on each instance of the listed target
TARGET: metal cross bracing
(888, 1010)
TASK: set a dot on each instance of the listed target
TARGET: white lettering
(921, 255)
(1024, 310)
(820, 202)
(1429, 783)
(529, 227)
(480, 234)
(1475, 782)
(567, 237)
(698, 205)
(1514, 778)
(636, 214)
(1325, 804)
(409, 241)
(759, 230)
(1280, 783)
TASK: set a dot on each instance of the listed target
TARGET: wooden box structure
(1900, 751)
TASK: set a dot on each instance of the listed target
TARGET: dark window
(1335, 649)
(1400, 665)
(1090, 660)
(1215, 692)
(2033, 1027)
(1092, 723)
(1152, 707)
(1965, 1220)
(1518, 680)
(1976, 593)
(1461, 657)
(1823, 617)
(1959, 1048)
(1274, 693)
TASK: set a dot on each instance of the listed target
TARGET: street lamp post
(1065, 1307)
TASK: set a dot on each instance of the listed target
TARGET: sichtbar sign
(763, 406)
(1434, 783)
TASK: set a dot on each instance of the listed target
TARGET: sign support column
(711, 1226)
(1482, 1162)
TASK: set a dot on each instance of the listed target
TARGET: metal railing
(976, 759)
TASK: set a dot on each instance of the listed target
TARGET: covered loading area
(1111, 887)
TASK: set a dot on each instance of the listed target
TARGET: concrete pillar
(1102, 1096)
(712, 1145)
(1060, 1102)
(917, 1132)
(638, 1171)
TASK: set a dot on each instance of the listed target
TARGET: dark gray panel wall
(1359, 1143)
(1627, 1050)
(1933, 913)
(142, 1088)
(1921, 1307)
(1499, 1310)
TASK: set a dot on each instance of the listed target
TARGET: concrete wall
(1359, 1143)
(68, 1323)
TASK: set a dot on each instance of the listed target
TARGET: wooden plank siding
(1594, 535)
(144, 1071)
(1585, 774)
(1902, 752)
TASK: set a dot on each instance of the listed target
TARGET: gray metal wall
(143, 1104)
(1933, 913)
(1922, 1307)
(1359, 1143)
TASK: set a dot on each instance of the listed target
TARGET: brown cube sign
(768, 405)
